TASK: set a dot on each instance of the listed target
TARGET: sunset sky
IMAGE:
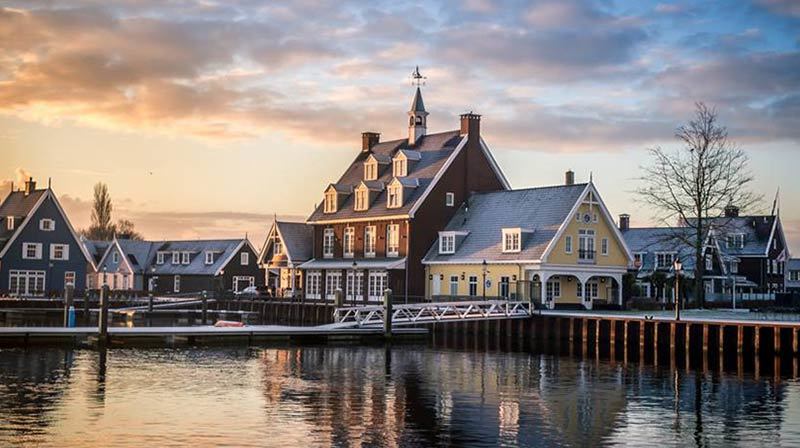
(205, 118)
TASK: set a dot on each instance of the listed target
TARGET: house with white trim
(378, 220)
(288, 245)
(40, 252)
(556, 245)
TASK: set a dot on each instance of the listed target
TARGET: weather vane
(417, 78)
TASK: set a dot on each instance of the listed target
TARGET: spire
(418, 116)
(417, 105)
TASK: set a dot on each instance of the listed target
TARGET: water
(411, 395)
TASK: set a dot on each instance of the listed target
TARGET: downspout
(408, 239)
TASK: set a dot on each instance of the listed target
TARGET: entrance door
(437, 286)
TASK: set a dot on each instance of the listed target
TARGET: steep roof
(650, 240)
(417, 105)
(434, 149)
(297, 239)
(96, 248)
(756, 230)
(538, 211)
(18, 205)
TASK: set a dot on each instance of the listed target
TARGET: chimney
(624, 222)
(731, 211)
(30, 185)
(471, 124)
(368, 140)
(569, 177)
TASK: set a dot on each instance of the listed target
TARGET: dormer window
(10, 222)
(512, 240)
(735, 240)
(277, 247)
(47, 225)
(400, 167)
(160, 257)
(185, 258)
(209, 257)
(176, 258)
(394, 197)
(330, 201)
(370, 169)
(362, 199)
(447, 243)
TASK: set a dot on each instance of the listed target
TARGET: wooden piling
(776, 337)
(102, 320)
(612, 338)
(757, 340)
(739, 339)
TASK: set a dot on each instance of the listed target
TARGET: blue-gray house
(39, 250)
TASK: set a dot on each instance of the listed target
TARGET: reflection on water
(377, 396)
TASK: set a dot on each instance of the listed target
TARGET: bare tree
(126, 230)
(101, 228)
(695, 182)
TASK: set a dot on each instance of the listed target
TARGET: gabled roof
(410, 154)
(383, 159)
(542, 210)
(18, 205)
(652, 240)
(96, 248)
(435, 151)
(224, 251)
(340, 188)
(297, 238)
(372, 185)
(758, 231)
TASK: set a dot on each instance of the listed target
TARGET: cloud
(784, 7)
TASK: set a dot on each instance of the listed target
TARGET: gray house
(39, 250)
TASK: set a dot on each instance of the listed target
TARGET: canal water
(405, 395)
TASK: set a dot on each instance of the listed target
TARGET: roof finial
(417, 78)
(591, 176)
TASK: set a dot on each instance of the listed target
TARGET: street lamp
(484, 266)
(678, 266)
(355, 279)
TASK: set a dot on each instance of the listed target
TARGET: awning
(361, 263)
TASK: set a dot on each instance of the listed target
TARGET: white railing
(421, 313)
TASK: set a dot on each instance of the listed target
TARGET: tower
(417, 116)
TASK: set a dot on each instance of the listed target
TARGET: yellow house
(555, 245)
(288, 245)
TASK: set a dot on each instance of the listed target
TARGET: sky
(208, 118)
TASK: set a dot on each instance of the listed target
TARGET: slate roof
(18, 205)
(793, 264)
(417, 105)
(541, 210)
(434, 151)
(298, 240)
(142, 255)
(649, 240)
(756, 230)
(95, 248)
(138, 253)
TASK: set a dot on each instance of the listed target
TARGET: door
(436, 288)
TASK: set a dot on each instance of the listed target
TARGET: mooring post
(150, 302)
(795, 342)
(757, 340)
(739, 339)
(612, 338)
(625, 341)
(102, 319)
(338, 298)
(776, 337)
(387, 317)
(68, 290)
(672, 330)
(655, 343)
(584, 336)
(86, 300)
(204, 313)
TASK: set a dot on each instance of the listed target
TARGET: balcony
(586, 256)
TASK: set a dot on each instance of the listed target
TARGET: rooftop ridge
(544, 187)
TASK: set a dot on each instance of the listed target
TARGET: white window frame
(355, 285)
(665, 256)
(568, 244)
(586, 244)
(735, 240)
(641, 256)
(604, 246)
(370, 170)
(453, 291)
(115, 257)
(450, 199)
(176, 257)
(10, 223)
(64, 251)
(328, 241)
(734, 267)
(349, 242)
(277, 246)
(473, 285)
(47, 224)
(209, 257)
(378, 281)
(553, 289)
(37, 251)
(709, 262)
(399, 167)
(330, 201)
(794, 276)
(393, 240)
(185, 258)
(313, 284)
(504, 287)
(160, 257)
(69, 275)
(370, 238)
(244, 258)
(176, 283)
(251, 281)
(512, 240)
(394, 195)
(333, 281)
(362, 199)
(23, 280)
(592, 290)
(447, 243)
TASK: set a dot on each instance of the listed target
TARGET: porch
(573, 287)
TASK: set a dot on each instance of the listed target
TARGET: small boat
(228, 323)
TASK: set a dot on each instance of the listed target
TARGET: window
(348, 242)
(362, 199)
(473, 285)
(378, 282)
(330, 202)
(592, 290)
(48, 225)
(553, 289)
(399, 167)
(26, 283)
(176, 284)
(59, 252)
(734, 267)
(664, 260)
(568, 244)
(586, 245)
(579, 289)
(511, 240)
(735, 240)
(10, 222)
(638, 260)
(185, 258)
(794, 276)
(244, 258)
(604, 246)
(333, 281)
(447, 243)
(394, 198)
(355, 285)
(504, 281)
(392, 240)
(327, 243)
(709, 263)
(242, 282)
(369, 241)
(31, 251)
(159, 257)
(115, 257)
(125, 281)
(277, 246)
(176, 258)
(453, 285)
(313, 282)
(209, 257)
(774, 264)
(69, 278)
(370, 170)
(449, 199)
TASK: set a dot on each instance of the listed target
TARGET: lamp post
(484, 268)
(355, 279)
(678, 266)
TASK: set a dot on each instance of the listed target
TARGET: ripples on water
(374, 396)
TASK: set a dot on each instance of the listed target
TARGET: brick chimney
(30, 185)
(569, 177)
(368, 140)
(731, 211)
(471, 124)
(624, 222)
